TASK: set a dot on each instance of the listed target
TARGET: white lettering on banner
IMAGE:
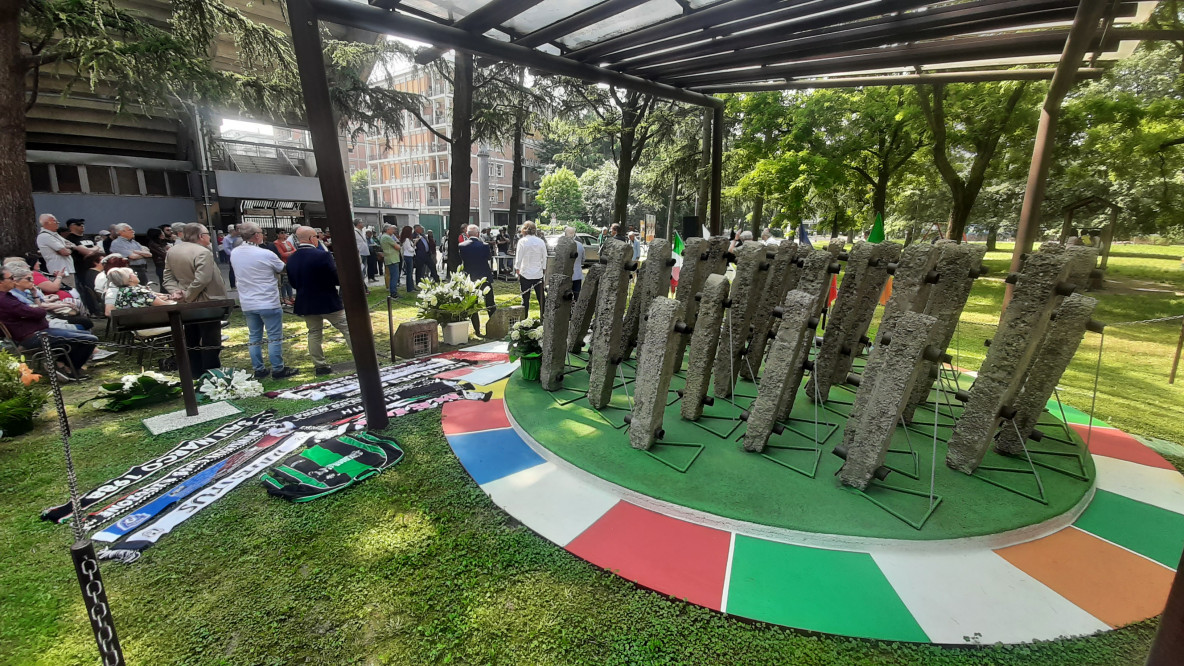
(202, 499)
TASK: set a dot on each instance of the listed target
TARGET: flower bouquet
(146, 388)
(229, 385)
(456, 299)
(19, 401)
(525, 336)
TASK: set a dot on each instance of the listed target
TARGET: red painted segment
(459, 373)
(665, 554)
(478, 357)
(1117, 444)
(464, 416)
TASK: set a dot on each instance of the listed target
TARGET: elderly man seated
(27, 325)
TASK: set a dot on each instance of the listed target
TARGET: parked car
(591, 247)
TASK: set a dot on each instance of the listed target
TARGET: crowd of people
(54, 291)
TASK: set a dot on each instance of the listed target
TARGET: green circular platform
(777, 489)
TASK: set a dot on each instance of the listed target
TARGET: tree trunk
(624, 174)
(670, 208)
(992, 238)
(17, 214)
(516, 179)
(758, 212)
(704, 170)
(462, 144)
(959, 214)
(880, 195)
(834, 226)
(908, 236)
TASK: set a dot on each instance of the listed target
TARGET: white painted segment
(491, 373)
(1159, 487)
(723, 602)
(979, 597)
(179, 419)
(550, 501)
(497, 347)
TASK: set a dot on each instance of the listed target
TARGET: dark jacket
(421, 250)
(475, 256)
(313, 275)
(21, 320)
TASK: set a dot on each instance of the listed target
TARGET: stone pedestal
(584, 309)
(557, 314)
(498, 326)
(653, 281)
(751, 269)
(1016, 340)
(606, 329)
(775, 289)
(655, 365)
(783, 370)
(884, 389)
(1060, 343)
(704, 344)
(420, 337)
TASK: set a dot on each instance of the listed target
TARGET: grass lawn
(417, 566)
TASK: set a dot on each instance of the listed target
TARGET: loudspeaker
(691, 227)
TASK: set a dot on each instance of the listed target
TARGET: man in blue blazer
(475, 256)
(313, 275)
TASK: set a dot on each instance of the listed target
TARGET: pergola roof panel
(708, 45)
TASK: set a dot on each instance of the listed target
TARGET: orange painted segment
(1114, 585)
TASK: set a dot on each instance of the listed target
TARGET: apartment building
(415, 171)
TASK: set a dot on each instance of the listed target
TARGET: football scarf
(391, 374)
(129, 551)
(142, 471)
(134, 499)
(148, 511)
(330, 466)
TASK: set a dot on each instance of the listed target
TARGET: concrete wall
(240, 185)
(102, 210)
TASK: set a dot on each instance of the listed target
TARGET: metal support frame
(1081, 35)
(717, 165)
(310, 59)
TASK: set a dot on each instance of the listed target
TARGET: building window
(178, 183)
(126, 179)
(68, 178)
(154, 183)
(39, 173)
(501, 194)
(501, 170)
(98, 179)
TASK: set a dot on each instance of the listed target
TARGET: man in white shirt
(258, 272)
(55, 250)
(363, 250)
(530, 263)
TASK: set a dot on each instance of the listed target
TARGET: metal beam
(717, 169)
(906, 80)
(489, 15)
(756, 49)
(306, 40)
(906, 55)
(577, 21)
(765, 29)
(1081, 35)
(374, 18)
(717, 14)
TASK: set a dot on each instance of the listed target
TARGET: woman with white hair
(124, 291)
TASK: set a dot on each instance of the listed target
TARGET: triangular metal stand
(915, 523)
(681, 469)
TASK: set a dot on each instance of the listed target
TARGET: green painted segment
(1148, 530)
(728, 482)
(1072, 414)
(832, 591)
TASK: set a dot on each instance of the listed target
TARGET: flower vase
(456, 333)
(530, 366)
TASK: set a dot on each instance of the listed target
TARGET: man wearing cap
(75, 228)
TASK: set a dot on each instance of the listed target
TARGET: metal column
(717, 167)
(310, 59)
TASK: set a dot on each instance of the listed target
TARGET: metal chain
(1145, 321)
(64, 430)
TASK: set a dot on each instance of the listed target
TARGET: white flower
(515, 335)
(536, 334)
